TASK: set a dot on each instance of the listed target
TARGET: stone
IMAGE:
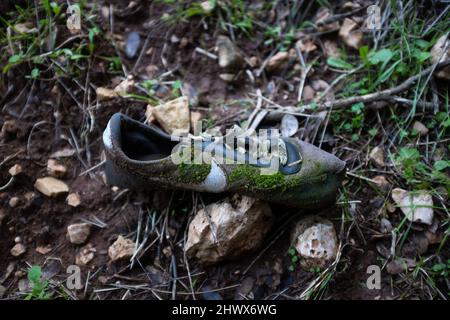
(51, 187)
(43, 249)
(352, 38)
(230, 57)
(73, 21)
(438, 55)
(9, 130)
(196, 118)
(173, 116)
(13, 202)
(417, 207)
(63, 153)
(433, 237)
(400, 265)
(416, 246)
(420, 128)
(235, 226)
(227, 77)
(85, 255)
(320, 85)
(381, 182)
(125, 87)
(308, 93)
(315, 240)
(73, 200)
(331, 49)
(105, 94)
(385, 226)
(152, 71)
(122, 248)
(15, 170)
(377, 156)
(132, 44)
(55, 168)
(78, 233)
(323, 14)
(306, 45)
(18, 250)
(277, 61)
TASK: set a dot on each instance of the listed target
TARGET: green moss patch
(193, 173)
(254, 179)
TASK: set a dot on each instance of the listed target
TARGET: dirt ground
(39, 118)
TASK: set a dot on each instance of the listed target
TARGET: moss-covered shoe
(140, 156)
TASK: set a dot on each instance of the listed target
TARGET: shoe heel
(116, 176)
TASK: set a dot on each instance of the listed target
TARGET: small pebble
(132, 45)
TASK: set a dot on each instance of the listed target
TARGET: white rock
(105, 94)
(125, 86)
(13, 202)
(73, 200)
(78, 233)
(417, 207)
(277, 61)
(420, 128)
(230, 56)
(227, 77)
(377, 156)
(18, 250)
(15, 170)
(122, 248)
(352, 37)
(239, 225)
(51, 187)
(315, 240)
(55, 168)
(85, 255)
(173, 116)
(63, 153)
(438, 54)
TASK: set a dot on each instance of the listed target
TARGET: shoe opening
(144, 143)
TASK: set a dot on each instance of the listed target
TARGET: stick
(384, 95)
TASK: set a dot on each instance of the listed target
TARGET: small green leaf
(438, 267)
(34, 274)
(441, 165)
(358, 108)
(373, 132)
(176, 84)
(15, 58)
(382, 55)
(339, 63)
(363, 52)
(35, 73)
